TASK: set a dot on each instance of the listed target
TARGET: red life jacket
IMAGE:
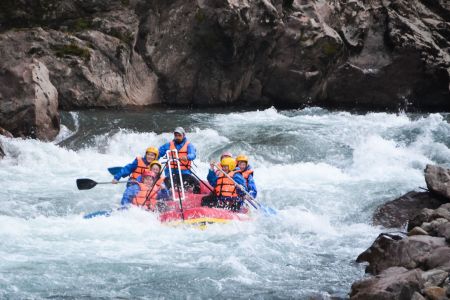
(245, 174)
(144, 198)
(141, 167)
(184, 165)
(225, 187)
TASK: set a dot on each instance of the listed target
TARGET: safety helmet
(242, 157)
(153, 150)
(148, 173)
(230, 162)
(226, 154)
(155, 162)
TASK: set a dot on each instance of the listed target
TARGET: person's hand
(212, 165)
(114, 181)
(183, 158)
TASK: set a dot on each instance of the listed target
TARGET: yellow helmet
(230, 162)
(242, 157)
(155, 162)
(153, 150)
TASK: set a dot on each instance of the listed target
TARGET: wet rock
(390, 251)
(435, 293)
(417, 231)
(426, 216)
(5, 132)
(28, 99)
(438, 259)
(398, 212)
(392, 283)
(434, 277)
(438, 180)
(417, 296)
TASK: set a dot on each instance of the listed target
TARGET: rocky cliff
(339, 53)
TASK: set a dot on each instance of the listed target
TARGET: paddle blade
(100, 213)
(114, 170)
(85, 183)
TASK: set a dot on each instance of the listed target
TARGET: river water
(325, 173)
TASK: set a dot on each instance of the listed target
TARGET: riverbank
(413, 264)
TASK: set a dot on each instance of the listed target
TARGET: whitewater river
(325, 172)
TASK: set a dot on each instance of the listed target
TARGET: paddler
(247, 172)
(138, 166)
(186, 154)
(226, 193)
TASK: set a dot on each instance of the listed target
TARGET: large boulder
(393, 251)
(393, 283)
(438, 180)
(28, 100)
(398, 212)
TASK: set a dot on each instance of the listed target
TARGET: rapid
(325, 172)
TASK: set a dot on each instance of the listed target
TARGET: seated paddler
(228, 186)
(138, 166)
(247, 172)
(145, 193)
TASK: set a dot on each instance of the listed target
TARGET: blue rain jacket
(251, 185)
(192, 154)
(128, 169)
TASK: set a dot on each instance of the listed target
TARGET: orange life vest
(184, 165)
(245, 174)
(141, 167)
(225, 187)
(143, 198)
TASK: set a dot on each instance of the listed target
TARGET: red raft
(195, 214)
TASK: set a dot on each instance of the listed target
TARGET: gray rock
(391, 251)
(417, 296)
(417, 231)
(398, 212)
(438, 259)
(434, 277)
(438, 180)
(392, 283)
(28, 99)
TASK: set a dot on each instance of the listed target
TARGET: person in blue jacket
(228, 193)
(138, 166)
(186, 154)
(149, 179)
(247, 172)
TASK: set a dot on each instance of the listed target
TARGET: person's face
(156, 169)
(149, 156)
(147, 180)
(178, 137)
(242, 165)
(226, 169)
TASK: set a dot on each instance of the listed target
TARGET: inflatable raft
(195, 214)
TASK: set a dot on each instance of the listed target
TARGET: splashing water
(325, 172)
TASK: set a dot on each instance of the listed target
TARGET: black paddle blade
(85, 184)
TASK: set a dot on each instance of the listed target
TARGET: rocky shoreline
(376, 55)
(413, 264)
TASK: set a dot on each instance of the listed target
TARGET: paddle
(87, 184)
(267, 210)
(114, 170)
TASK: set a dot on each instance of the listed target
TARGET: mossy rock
(330, 49)
(71, 50)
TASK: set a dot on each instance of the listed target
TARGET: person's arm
(212, 178)
(252, 186)
(239, 179)
(163, 194)
(129, 194)
(192, 152)
(127, 170)
(163, 149)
